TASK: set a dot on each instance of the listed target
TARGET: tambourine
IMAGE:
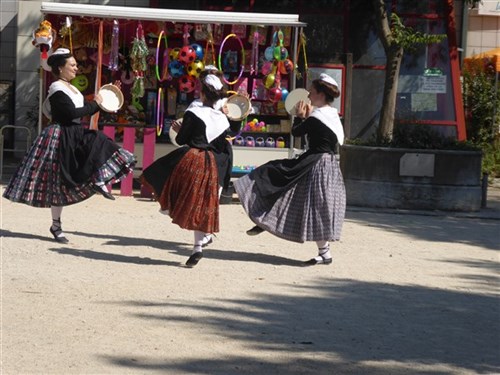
(238, 107)
(294, 97)
(112, 98)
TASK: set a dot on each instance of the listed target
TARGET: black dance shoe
(314, 261)
(58, 235)
(207, 240)
(105, 193)
(194, 259)
(255, 231)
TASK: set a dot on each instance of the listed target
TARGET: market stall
(157, 55)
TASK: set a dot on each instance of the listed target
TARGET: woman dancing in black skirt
(67, 163)
(303, 199)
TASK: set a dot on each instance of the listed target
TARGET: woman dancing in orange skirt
(186, 181)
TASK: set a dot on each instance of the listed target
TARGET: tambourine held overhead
(294, 97)
(112, 98)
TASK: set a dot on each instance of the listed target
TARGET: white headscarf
(326, 78)
(213, 81)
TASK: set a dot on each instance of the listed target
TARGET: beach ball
(195, 68)
(174, 53)
(176, 68)
(280, 53)
(199, 51)
(187, 55)
(81, 82)
(269, 54)
(187, 83)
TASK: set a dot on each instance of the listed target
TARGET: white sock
(323, 251)
(198, 241)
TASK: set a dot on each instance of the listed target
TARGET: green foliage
(409, 38)
(482, 111)
(417, 136)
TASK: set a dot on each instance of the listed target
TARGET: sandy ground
(408, 293)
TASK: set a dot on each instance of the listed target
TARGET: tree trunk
(387, 113)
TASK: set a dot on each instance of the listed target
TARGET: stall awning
(171, 15)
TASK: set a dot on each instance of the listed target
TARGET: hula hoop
(164, 75)
(242, 58)
(160, 110)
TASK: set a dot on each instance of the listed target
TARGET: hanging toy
(138, 56)
(199, 51)
(195, 68)
(164, 76)
(302, 45)
(254, 60)
(280, 52)
(65, 31)
(43, 37)
(187, 55)
(242, 58)
(187, 83)
(209, 49)
(115, 41)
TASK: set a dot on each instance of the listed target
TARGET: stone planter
(412, 178)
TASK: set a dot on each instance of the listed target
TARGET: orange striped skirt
(190, 193)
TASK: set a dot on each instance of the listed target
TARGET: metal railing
(2, 148)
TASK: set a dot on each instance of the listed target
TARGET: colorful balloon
(284, 94)
(269, 80)
(269, 54)
(267, 68)
(275, 94)
(280, 53)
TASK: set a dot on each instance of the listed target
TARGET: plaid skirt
(312, 209)
(190, 193)
(38, 182)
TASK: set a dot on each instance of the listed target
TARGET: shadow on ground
(352, 327)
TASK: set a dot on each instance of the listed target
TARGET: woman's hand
(118, 84)
(176, 125)
(98, 98)
(302, 109)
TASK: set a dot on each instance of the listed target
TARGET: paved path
(408, 293)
